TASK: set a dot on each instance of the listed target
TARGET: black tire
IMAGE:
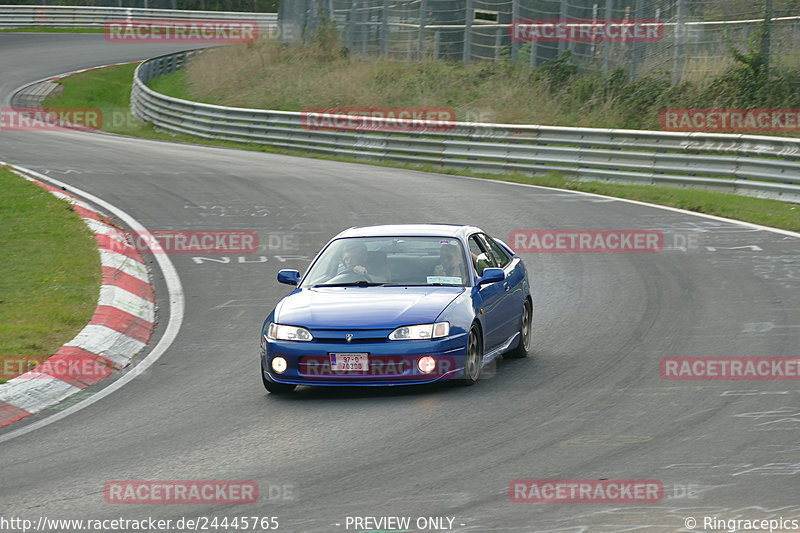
(275, 388)
(474, 359)
(524, 346)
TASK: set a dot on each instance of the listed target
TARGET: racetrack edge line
(646, 204)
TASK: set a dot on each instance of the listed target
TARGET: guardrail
(747, 164)
(24, 16)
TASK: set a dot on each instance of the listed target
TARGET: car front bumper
(390, 362)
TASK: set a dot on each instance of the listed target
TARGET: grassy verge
(50, 271)
(566, 91)
(109, 89)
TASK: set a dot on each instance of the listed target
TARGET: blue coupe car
(398, 305)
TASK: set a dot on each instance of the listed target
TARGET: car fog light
(426, 364)
(279, 365)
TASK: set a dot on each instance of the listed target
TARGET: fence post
(423, 8)
(385, 29)
(498, 40)
(562, 45)
(469, 15)
(636, 56)
(436, 42)
(514, 42)
(765, 42)
(606, 44)
(312, 22)
(348, 34)
(365, 27)
(680, 36)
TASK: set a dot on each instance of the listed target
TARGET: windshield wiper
(361, 283)
(437, 284)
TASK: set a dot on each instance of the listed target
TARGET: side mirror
(289, 276)
(492, 274)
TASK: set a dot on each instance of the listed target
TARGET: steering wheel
(349, 276)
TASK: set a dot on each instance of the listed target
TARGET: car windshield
(399, 261)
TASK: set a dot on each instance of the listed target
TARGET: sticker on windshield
(445, 280)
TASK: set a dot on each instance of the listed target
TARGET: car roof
(410, 230)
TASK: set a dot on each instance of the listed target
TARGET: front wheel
(524, 346)
(474, 359)
(273, 387)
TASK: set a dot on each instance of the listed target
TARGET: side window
(480, 259)
(500, 256)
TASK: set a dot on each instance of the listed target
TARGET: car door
(490, 296)
(510, 306)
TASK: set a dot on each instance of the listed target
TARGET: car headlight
(421, 331)
(287, 333)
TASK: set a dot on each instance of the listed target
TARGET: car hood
(364, 307)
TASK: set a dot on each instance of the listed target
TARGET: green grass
(173, 84)
(50, 270)
(109, 89)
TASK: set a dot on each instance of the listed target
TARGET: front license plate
(349, 361)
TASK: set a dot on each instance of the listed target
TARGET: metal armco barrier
(748, 164)
(25, 16)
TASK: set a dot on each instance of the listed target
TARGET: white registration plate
(349, 361)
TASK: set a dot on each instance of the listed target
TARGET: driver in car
(450, 263)
(354, 259)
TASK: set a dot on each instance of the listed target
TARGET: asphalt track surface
(589, 404)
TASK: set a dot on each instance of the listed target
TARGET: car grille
(329, 336)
